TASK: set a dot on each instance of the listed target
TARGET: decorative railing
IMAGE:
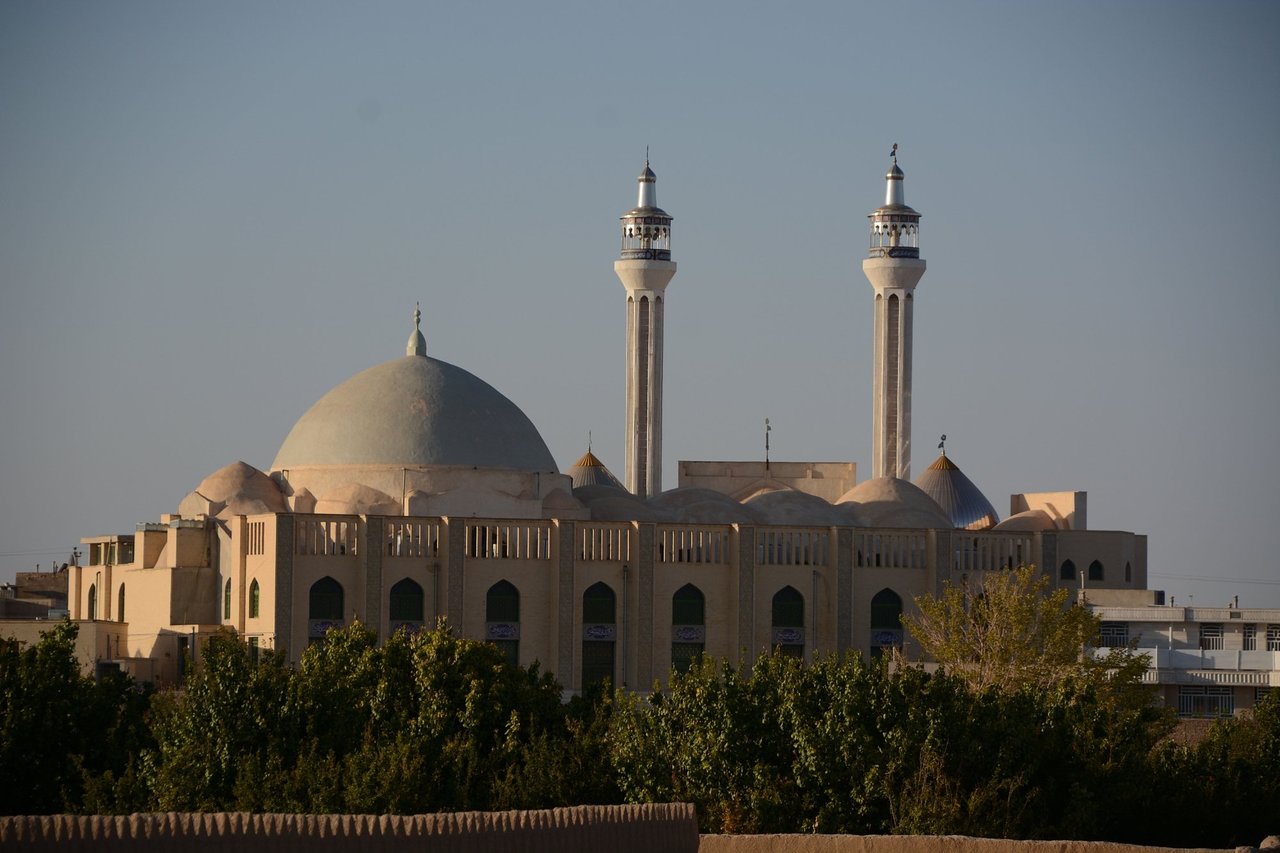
(327, 537)
(705, 544)
(413, 538)
(607, 542)
(891, 550)
(257, 537)
(792, 547)
(989, 552)
(493, 540)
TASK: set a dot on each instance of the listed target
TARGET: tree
(1010, 633)
(60, 731)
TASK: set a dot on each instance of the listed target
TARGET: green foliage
(421, 723)
(1011, 633)
(842, 746)
(61, 733)
(431, 722)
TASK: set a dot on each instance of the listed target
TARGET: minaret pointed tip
(417, 343)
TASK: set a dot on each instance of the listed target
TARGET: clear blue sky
(211, 213)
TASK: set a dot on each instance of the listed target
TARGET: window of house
(1250, 638)
(1206, 702)
(788, 622)
(688, 627)
(599, 634)
(1210, 637)
(502, 619)
(255, 600)
(1115, 635)
(1273, 638)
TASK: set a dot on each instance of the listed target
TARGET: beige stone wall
(671, 828)
(581, 829)
(738, 480)
(738, 567)
(1068, 509)
(914, 844)
(95, 640)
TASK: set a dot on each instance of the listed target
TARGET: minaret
(894, 267)
(645, 267)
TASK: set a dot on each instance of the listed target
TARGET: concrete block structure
(1204, 661)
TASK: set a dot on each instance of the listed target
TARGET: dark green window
(406, 602)
(599, 639)
(886, 622)
(788, 622)
(502, 619)
(324, 608)
(688, 627)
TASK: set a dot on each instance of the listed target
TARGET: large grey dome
(415, 411)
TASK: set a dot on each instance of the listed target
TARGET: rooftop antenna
(767, 429)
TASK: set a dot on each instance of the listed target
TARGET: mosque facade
(415, 491)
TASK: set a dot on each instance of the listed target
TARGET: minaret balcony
(894, 252)
(646, 238)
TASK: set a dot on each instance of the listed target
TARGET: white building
(1206, 661)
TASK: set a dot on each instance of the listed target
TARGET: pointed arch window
(599, 634)
(120, 604)
(93, 601)
(405, 606)
(688, 627)
(1128, 572)
(1068, 571)
(226, 601)
(1095, 571)
(324, 610)
(886, 622)
(502, 619)
(255, 600)
(788, 622)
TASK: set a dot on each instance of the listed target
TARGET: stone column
(285, 630)
(371, 556)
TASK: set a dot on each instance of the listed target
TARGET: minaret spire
(417, 343)
(894, 268)
(645, 268)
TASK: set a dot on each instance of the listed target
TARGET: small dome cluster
(884, 502)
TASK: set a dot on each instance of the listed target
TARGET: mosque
(414, 490)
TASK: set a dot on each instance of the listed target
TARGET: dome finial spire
(417, 343)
